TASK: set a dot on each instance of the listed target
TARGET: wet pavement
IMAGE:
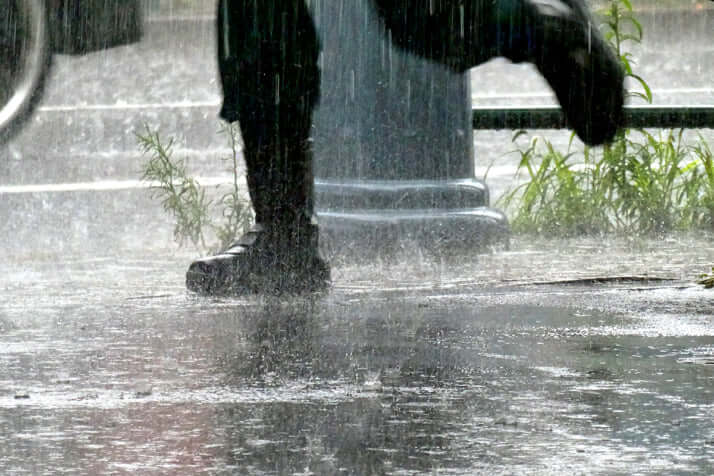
(509, 362)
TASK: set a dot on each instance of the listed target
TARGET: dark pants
(268, 53)
(267, 56)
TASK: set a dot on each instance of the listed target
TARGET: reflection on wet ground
(108, 366)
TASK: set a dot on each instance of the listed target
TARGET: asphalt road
(490, 364)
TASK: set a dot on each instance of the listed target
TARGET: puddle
(403, 368)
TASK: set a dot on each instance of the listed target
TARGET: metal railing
(656, 117)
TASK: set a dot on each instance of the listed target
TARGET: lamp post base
(442, 216)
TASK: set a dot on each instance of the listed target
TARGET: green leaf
(517, 134)
(631, 38)
(626, 65)
(638, 26)
(645, 86)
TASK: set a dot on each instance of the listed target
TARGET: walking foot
(263, 261)
(565, 44)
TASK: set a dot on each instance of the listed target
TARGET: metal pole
(393, 142)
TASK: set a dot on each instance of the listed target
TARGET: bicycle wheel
(24, 61)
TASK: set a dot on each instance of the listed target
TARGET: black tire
(24, 61)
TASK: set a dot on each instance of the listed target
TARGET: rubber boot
(563, 41)
(268, 260)
(558, 36)
(280, 254)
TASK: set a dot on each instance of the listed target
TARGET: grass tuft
(183, 197)
(653, 184)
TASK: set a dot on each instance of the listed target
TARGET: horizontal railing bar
(551, 117)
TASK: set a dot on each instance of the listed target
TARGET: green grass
(641, 184)
(707, 280)
(184, 199)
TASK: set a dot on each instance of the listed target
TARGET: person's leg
(558, 36)
(268, 53)
(267, 56)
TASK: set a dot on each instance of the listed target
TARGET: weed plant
(640, 183)
(236, 212)
(183, 197)
(707, 280)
